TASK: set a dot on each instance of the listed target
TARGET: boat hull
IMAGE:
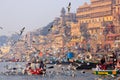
(105, 72)
(36, 72)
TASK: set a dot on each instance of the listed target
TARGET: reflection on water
(51, 74)
(47, 77)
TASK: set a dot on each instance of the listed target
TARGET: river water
(51, 74)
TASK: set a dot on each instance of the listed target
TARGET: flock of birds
(22, 30)
(20, 33)
(56, 69)
(51, 71)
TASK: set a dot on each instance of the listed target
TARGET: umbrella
(70, 55)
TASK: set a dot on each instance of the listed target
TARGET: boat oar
(50, 67)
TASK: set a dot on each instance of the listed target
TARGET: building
(4, 49)
(93, 18)
(61, 30)
(67, 17)
(75, 34)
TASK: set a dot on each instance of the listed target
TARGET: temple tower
(63, 12)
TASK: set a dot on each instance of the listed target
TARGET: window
(109, 38)
(89, 21)
(97, 19)
(114, 1)
(117, 2)
(92, 31)
(96, 30)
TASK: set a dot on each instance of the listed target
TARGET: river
(52, 74)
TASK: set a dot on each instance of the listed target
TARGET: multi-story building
(4, 49)
(67, 17)
(60, 32)
(75, 34)
(58, 42)
(96, 16)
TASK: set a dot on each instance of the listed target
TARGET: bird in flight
(50, 27)
(69, 6)
(21, 31)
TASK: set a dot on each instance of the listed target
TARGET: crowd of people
(35, 67)
(103, 65)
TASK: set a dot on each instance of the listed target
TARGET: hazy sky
(32, 14)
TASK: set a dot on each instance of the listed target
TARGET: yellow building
(58, 42)
(75, 34)
(99, 13)
(96, 16)
(5, 49)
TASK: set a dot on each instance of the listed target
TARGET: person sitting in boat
(28, 67)
(102, 64)
(97, 67)
(102, 60)
(42, 65)
(37, 64)
(114, 60)
(33, 66)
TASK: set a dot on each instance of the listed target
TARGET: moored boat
(35, 72)
(105, 72)
(80, 65)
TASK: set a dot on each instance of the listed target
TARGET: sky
(31, 14)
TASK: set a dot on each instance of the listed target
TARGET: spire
(63, 11)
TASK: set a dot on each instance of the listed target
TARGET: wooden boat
(35, 72)
(105, 72)
(80, 65)
(86, 66)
